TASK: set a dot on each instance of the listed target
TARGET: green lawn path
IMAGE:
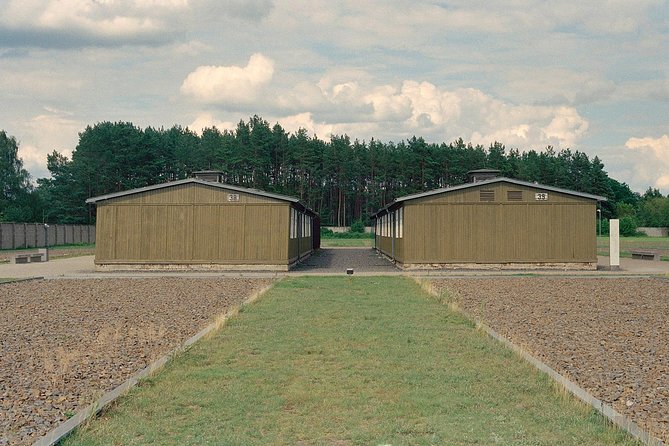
(348, 361)
(347, 242)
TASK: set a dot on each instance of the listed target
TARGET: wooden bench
(645, 255)
(22, 258)
(33, 257)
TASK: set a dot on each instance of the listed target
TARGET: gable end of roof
(101, 198)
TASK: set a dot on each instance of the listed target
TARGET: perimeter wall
(32, 235)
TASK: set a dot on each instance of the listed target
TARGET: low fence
(35, 235)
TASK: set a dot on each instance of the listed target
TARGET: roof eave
(140, 190)
(498, 180)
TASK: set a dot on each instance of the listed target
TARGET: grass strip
(349, 361)
(69, 246)
(347, 242)
(628, 244)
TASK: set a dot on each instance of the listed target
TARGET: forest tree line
(343, 180)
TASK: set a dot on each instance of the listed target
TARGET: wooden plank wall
(458, 228)
(164, 227)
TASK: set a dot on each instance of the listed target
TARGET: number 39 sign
(541, 196)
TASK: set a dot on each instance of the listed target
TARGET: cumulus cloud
(306, 121)
(207, 121)
(303, 96)
(426, 109)
(364, 109)
(229, 84)
(652, 170)
(657, 146)
(42, 134)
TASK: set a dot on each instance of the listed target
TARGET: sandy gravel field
(611, 336)
(63, 343)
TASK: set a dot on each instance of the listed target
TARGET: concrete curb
(22, 279)
(65, 428)
(605, 409)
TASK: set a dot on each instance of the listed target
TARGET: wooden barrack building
(494, 222)
(200, 223)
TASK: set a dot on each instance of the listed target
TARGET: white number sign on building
(541, 196)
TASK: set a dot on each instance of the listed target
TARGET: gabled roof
(486, 182)
(244, 190)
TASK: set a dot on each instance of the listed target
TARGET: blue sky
(590, 76)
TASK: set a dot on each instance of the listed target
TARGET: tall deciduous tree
(17, 201)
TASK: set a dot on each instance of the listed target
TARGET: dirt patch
(611, 336)
(63, 343)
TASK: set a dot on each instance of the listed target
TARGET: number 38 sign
(541, 196)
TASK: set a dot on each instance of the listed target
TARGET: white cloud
(662, 182)
(364, 110)
(566, 126)
(83, 15)
(44, 133)
(425, 109)
(652, 170)
(303, 96)
(429, 110)
(306, 121)
(659, 147)
(388, 104)
(75, 23)
(221, 84)
(207, 120)
(431, 106)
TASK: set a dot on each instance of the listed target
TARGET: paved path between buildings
(327, 261)
(338, 260)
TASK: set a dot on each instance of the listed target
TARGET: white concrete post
(614, 244)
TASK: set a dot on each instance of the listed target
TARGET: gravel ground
(611, 336)
(63, 343)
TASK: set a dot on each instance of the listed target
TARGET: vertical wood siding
(456, 227)
(192, 224)
(105, 244)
